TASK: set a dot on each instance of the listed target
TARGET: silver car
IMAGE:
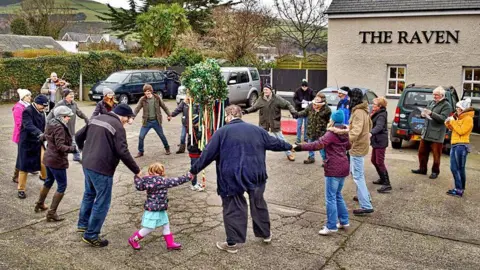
(243, 84)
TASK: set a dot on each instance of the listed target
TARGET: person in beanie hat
(59, 144)
(17, 110)
(69, 101)
(151, 104)
(104, 144)
(107, 104)
(344, 103)
(302, 98)
(30, 144)
(461, 125)
(336, 144)
(270, 106)
(379, 143)
(318, 114)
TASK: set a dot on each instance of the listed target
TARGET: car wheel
(123, 99)
(397, 145)
(253, 98)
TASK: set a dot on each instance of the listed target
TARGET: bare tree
(240, 29)
(301, 21)
(46, 17)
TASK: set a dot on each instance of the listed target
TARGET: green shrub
(184, 57)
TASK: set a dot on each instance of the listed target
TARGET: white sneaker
(194, 188)
(267, 240)
(343, 227)
(326, 231)
(198, 187)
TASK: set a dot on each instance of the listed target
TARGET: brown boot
(52, 213)
(40, 205)
(181, 149)
(15, 176)
(140, 154)
(309, 160)
(167, 151)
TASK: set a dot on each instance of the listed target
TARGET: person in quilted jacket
(155, 215)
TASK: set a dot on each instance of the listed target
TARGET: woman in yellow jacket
(461, 125)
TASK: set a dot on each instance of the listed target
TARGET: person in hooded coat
(17, 110)
(30, 145)
(359, 135)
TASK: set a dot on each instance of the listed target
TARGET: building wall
(350, 62)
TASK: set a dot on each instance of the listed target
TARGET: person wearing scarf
(107, 104)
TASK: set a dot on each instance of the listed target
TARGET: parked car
(474, 96)
(128, 85)
(407, 124)
(332, 99)
(243, 84)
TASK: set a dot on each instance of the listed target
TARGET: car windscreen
(417, 99)
(225, 76)
(116, 77)
(331, 98)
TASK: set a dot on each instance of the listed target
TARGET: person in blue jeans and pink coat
(336, 143)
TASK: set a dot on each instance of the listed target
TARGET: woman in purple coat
(336, 144)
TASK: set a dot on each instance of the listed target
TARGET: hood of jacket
(469, 112)
(341, 131)
(361, 106)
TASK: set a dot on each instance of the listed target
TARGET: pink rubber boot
(170, 243)
(134, 240)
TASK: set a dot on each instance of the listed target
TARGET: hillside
(87, 7)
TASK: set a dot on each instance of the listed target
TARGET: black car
(128, 85)
(407, 124)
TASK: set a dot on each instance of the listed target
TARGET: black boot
(386, 185)
(15, 175)
(40, 205)
(381, 180)
(52, 213)
(181, 149)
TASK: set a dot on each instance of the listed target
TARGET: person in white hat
(17, 110)
(461, 125)
(107, 104)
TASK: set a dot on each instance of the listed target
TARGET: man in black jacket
(104, 144)
(302, 97)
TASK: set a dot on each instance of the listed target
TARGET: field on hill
(90, 8)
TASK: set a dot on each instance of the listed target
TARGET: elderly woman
(379, 142)
(433, 132)
(461, 125)
(107, 104)
(60, 143)
(17, 110)
(30, 145)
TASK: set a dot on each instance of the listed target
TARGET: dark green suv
(408, 124)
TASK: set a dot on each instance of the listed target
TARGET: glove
(41, 137)
(244, 112)
(297, 148)
(294, 115)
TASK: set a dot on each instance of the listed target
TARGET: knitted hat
(344, 90)
(267, 86)
(67, 92)
(464, 104)
(124, 110)
(23, 93)
(356, 97)
(338, 117)
(41, 100)
(304, 82)
(62, 111)
(107, 91)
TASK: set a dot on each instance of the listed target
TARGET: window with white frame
(396, 79)
(471, 81)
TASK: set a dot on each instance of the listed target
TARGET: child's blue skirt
(154, 219)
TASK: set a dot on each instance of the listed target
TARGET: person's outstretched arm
(209, 154)
(273, 144)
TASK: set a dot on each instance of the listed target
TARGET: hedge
(31, 73)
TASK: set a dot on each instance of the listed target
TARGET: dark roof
(11, 43)
(380, 6)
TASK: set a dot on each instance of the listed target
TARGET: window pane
(233, 77)
(244, 77)
(476, 87)
(476, 74)
(401, 73)
(468, 74)
(401, 86)
(393, 73)
(392, 89)
(467, 86)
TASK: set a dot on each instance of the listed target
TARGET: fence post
(81, 87)
(271, 78)
(306, 75)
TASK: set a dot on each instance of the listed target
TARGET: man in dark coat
(30, 146)
(302, 98)
(104, 144)
(239, 150)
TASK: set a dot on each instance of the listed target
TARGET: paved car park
(415, 227)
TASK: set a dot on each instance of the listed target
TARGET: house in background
(78, 37)
(12, 43)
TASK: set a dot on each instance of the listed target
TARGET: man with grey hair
(433, 132)
(52, 88)
(239, 150)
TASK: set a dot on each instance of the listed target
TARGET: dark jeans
(95, 203)
(458, 160)
(192, 161)
(378, 159)
(183, 135)
(424, 152)
(145, 129)
(60, 175)
(235, 215)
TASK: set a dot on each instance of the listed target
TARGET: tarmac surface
(417, 226)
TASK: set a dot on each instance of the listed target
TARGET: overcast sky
(124, 3)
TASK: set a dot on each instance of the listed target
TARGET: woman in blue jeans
(461, 125)
(60, 143)
(336, 144)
